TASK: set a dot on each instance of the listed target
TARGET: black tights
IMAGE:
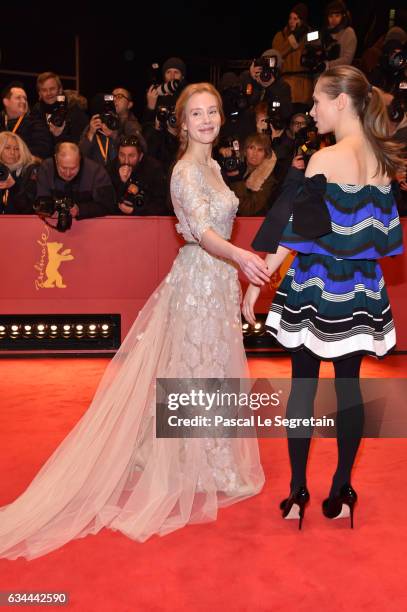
(350, 414)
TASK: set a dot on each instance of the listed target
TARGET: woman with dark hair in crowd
(256, 187)
(112, 470)
(18, 173)
(290, 42)
(332, 304)
(339, 30)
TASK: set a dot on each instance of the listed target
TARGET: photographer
(290, 43)
(18, 174)
(256, 187)
(111, 118)
(84, 183)
(16, 118)
(392, 64)
(65, 122)
(338, 28)
(159, 117)
(138, 179)
(238, 123)
(264, 79)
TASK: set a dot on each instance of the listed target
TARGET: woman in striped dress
(332, 304)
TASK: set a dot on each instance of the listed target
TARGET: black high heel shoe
(294, 506)
(341, 505)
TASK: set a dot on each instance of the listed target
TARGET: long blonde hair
(26, 158)
(369, 104)
(180, 107)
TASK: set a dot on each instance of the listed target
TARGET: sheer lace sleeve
(189, 194)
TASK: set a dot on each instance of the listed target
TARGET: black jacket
(19, 199)
(149, 176)
(33, 131)
(75, 122)
(91, 189)
(279, 91)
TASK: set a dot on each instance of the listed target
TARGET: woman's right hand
(249, 301)
(252, 266)
(8, 183)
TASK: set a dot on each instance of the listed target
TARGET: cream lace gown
(111, 471)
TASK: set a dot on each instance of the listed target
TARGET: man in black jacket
(16, 118)
(138, 180)
(83, 181)
(74, 119)
(273, 88)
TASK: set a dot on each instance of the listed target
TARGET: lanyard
(17, 125)
(103, 150)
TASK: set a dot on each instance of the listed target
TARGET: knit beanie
(174, 62)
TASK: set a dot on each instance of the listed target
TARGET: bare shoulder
(326, 160)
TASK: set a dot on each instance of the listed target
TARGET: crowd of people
(100, 159)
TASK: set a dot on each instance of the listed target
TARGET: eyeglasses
(121, 97)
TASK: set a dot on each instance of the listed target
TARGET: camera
(134, 195)
(4, 172)
(108, 116)
(170, 88)
(166, 115)
(233, 162)
(306, 142)
(398, 106)
(319, 48)
(58, 115)
(274, 118)
(235, 100)
(47, 206)
(394, 61)
(269, 67)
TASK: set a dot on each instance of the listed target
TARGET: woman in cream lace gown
(111, 471)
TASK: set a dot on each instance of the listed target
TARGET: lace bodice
(199, 206)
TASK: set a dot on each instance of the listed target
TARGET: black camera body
(274, 118)
(398, 106)
(58, 115)
(47, 206)
(233, 162)
(4, 172)
(108, 116)
(235, 101)
(269, 67)
(134, 195)
(306, 142)
(320, 47)
(166, 116)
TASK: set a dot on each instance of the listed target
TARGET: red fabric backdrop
(112, 265)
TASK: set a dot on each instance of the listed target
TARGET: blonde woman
(112, 471)
(18, 169)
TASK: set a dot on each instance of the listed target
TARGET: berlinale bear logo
(49, 275)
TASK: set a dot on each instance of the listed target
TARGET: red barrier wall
(112, 265)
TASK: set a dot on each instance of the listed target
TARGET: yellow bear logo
(54, 278)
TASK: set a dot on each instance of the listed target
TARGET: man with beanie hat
(174, 68)
(162, 138)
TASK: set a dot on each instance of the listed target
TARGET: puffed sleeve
(187, 186)
(299, 211)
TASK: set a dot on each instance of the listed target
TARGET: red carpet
(249, 559)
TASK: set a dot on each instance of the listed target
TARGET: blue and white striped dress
(333, 300)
